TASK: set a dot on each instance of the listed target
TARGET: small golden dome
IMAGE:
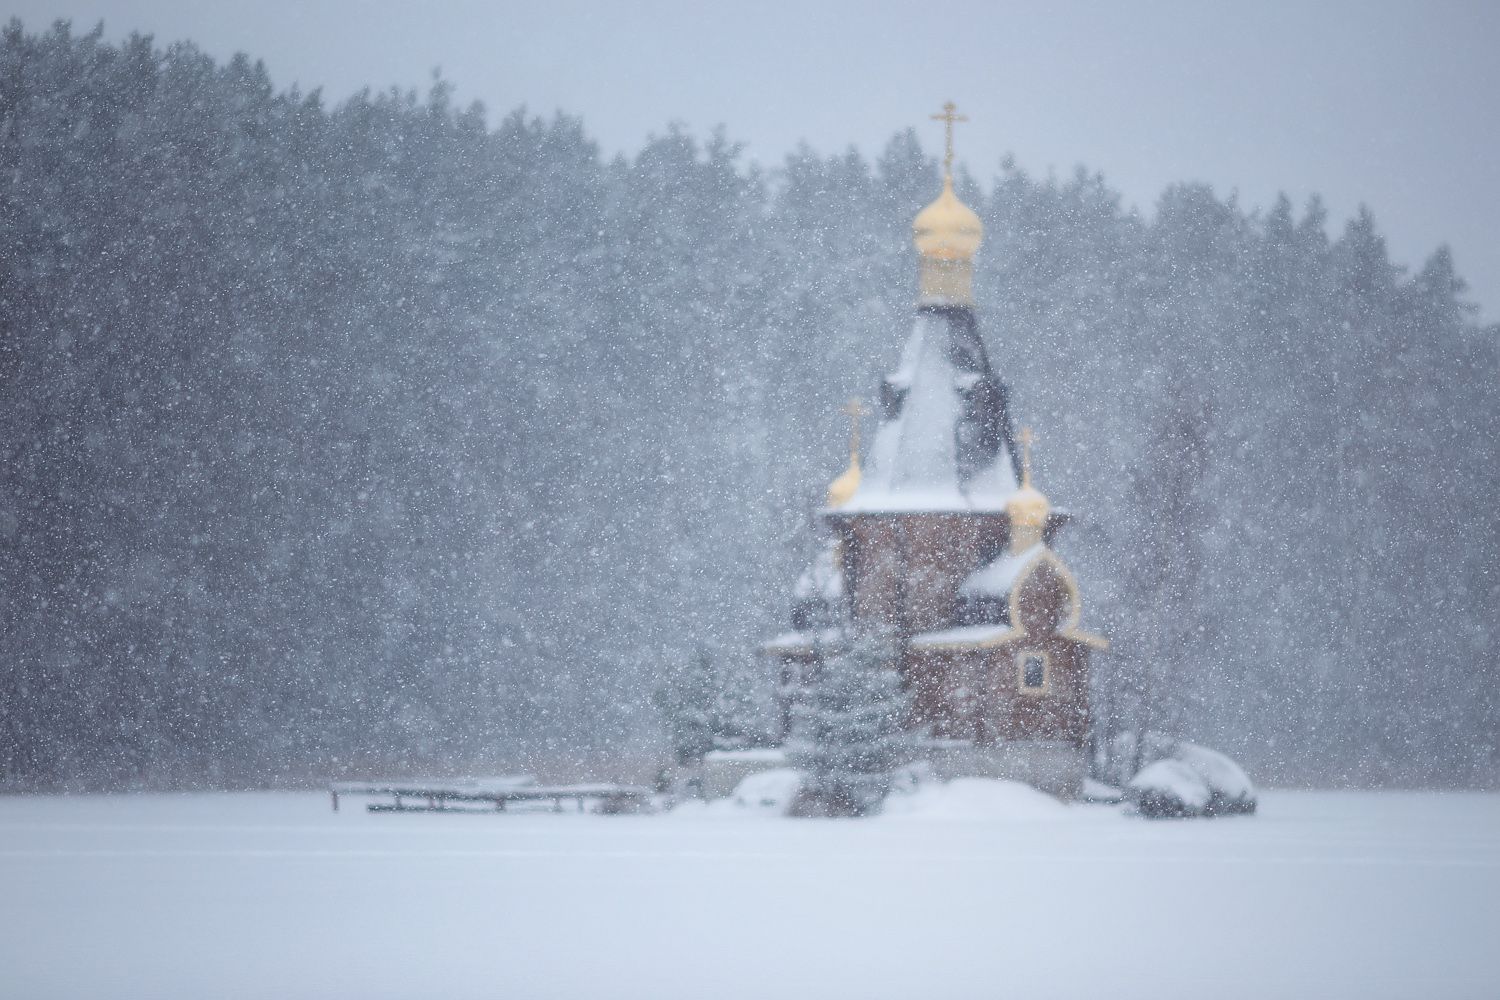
(842, 489)
(1028, 508)
(947, 229)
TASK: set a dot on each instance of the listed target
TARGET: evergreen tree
(688, 705)
(1167, 574)
(743, 709)
(850, 726)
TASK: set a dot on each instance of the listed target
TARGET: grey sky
(1391, 104)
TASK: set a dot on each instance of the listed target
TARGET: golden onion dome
(842, 489)
(947, 229)
(1028, 508)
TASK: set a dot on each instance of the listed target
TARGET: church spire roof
(943, 441)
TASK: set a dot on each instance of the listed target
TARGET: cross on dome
(1028, 507)
(948, 117)
(947, 232)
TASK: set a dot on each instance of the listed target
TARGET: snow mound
(764, 793)
(769, 792)
(984, 799)
(1098, 791)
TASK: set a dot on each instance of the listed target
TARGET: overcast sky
(1391, 104)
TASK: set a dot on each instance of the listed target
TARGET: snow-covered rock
(1230, 790)
(1191, 780)
(1168, 789)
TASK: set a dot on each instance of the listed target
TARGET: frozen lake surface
(995, 892)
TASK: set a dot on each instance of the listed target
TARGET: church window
(1032, 667)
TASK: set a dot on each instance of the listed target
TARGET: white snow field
(978, 889)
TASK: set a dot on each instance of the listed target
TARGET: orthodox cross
(855, 410)
(948, 117)
(1026, 438)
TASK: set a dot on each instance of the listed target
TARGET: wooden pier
(491, 795)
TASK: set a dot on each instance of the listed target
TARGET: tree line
(392, 434)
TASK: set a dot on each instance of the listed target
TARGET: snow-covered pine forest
(402, 435)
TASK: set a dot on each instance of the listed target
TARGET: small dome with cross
(1028, 506)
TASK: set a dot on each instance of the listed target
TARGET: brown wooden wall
(904, 571)
(976, 694)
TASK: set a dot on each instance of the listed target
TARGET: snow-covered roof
(942, 444)
(754, 755)
(997, 578)
(802, 642)
(964, 635)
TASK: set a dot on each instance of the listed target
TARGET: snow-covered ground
(977, 889)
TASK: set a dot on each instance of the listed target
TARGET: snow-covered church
(943, 537)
